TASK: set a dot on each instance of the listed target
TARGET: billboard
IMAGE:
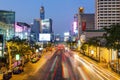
(66, 34)
(75, 28)
(45, 26)
(18, 28)
(44, 37)
(83, 26)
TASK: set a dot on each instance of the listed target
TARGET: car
(18, 70)
(6, 75)
(35, 59)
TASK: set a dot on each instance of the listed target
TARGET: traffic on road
(68, 65)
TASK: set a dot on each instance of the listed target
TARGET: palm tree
(112, 37)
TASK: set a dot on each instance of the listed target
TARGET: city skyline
(61, 12)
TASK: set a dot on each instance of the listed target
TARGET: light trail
(65, 71)
(88, 66)
(53, 65)
(97, 71)
(51, 71)
(82, 73)
(106, 73)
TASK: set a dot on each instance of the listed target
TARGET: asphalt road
(69, 66)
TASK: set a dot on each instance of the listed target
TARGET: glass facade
(35, 30)
(7, 19)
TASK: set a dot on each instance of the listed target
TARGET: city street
(32, 68)
(42, 40)
(66, 66)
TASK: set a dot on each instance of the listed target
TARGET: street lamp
(92, 52)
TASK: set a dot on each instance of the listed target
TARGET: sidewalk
(30, 68)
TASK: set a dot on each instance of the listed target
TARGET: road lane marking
(50, 72)
(53, 65)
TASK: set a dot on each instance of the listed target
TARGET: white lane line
(52, 68)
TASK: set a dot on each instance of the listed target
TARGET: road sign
(17, 57)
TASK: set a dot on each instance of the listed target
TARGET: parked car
(35, 59)
(18, 70)
(7, 75)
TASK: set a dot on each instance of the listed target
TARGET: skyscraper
(107, 13)
(42, 13)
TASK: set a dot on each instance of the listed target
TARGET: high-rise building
(107, 13)
(42, 13)
(36, 29)
(7, 22)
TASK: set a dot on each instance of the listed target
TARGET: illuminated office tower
(107, 13)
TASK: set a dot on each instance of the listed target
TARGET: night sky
(61, 11)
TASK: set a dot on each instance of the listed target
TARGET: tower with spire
(42, 13)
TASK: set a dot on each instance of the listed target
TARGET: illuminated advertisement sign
(75, 28)
(1, 45)
(18, 28)
(45, 26)
(66, 34)
(83, 26)
(44, 37)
